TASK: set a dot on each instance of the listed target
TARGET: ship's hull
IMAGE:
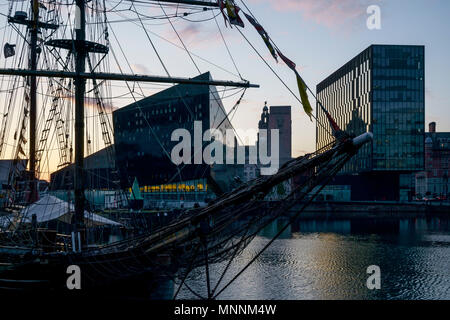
(214, 233)
(105, 270)
(108, 274)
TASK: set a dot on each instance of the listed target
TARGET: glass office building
(142, 133)
(381, 90)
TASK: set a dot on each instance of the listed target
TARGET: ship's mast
(34, 26)
(33, 100)
(80, 47)
(80, 88)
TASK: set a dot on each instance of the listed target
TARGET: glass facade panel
(381, 90)
(143, 130)
(398, 107)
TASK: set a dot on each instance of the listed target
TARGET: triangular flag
(222, 8)
(270, 47)
(304, 95)
(337, 132)
(233, 14)
(8, 50)
(136, 191)
(255, 24)
(264, 35)
(288, 62)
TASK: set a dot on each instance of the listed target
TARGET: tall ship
(60, 63)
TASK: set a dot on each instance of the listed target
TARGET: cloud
(198, 36)
(140, 68)
(189, 32)
(90, 102)
(330, 13)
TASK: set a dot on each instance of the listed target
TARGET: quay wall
(373, 210)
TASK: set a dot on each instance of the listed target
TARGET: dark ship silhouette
(35, 251)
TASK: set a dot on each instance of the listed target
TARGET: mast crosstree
(34, 26)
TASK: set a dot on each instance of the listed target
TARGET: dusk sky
(319, 35)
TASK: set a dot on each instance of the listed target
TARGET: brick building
(434, 180)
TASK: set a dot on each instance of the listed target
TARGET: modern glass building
(381, 90)
(142, 133)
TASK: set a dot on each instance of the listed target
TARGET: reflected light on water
(328, 260)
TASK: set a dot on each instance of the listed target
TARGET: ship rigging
(70, 55)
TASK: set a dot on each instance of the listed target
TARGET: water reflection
(325, 226)
(328, 260)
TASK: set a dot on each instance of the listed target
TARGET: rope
(281, 80)
(328, 178)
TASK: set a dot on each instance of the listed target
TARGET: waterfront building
(279, 118)
(98, 174)
(100, 179)
(143, 143)
(251, 170)
(433, 182)
(18, 169)
(142, 149)
(276, 118)
(381, 90)
(7, 167)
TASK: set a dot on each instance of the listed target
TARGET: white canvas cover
(51, 208)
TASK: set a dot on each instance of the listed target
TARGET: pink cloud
(90, 102)
(330, 13)
(193, 34)
(198, 36)
(190, 32)
(140, 68)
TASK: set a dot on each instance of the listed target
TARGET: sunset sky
(318, 35)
